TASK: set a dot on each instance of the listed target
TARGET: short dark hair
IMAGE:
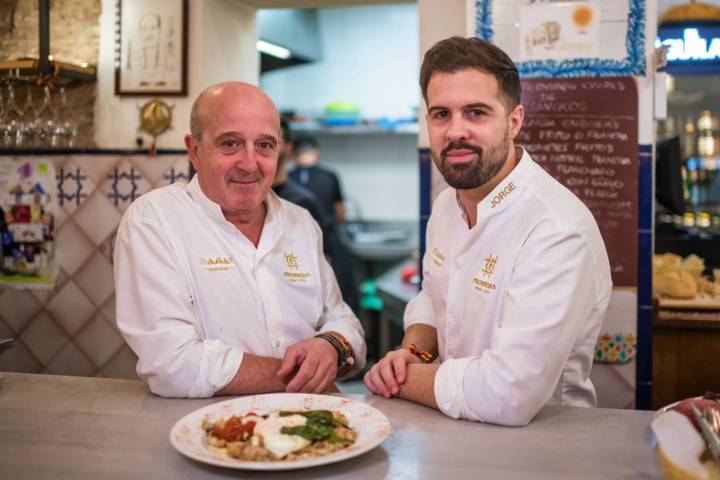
(285, 131)
(305, 142)
(457, 53)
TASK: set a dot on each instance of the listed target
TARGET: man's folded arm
(551, 296)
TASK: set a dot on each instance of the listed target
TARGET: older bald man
(222, 287)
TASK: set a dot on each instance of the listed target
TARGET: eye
(476, 113)
(266, 147)
(440, 114)
(229, 143)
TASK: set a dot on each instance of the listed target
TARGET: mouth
(460, 155)
(244, 182)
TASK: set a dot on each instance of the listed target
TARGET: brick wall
(74, 37)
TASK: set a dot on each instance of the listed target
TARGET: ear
(516, 120)
(192, 147)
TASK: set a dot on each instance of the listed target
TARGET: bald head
(222, 94)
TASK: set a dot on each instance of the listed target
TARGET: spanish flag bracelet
(425, 357)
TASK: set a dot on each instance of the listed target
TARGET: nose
(246, 159)
(457, 129)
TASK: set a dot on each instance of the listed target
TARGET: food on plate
(693, 265)
(676, 284)
(681, 449)
(704, 285)
(678, 277)
(666, 262)
(280, 435)
(709, 400)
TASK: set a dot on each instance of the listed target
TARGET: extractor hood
(288, 37)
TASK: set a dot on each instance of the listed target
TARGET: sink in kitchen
(376, 232)
(380, 239)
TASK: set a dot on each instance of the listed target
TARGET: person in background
(516, 278)
(222, 287)
(325, 184)
(290, 190)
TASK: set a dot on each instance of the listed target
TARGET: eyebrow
(232, 134)
(481, 105)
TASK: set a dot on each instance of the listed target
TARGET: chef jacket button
(277, 343)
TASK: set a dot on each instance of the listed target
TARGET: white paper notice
(559, 31)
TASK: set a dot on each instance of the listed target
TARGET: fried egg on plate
(281, 444)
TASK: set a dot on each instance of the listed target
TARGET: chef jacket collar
(506, 193)
(273, 217)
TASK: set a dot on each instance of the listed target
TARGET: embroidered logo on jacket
(293, 275)
(292, 261)
(480, 283)
(217, 264)
(438, 257)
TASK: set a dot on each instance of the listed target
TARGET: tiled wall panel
(70, 329)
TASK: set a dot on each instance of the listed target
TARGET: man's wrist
(424, 356)
(343, 349)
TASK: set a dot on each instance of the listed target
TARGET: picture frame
(151, 48)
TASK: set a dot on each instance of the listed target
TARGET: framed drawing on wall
(151, 47)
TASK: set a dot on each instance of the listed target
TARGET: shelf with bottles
(700, 150)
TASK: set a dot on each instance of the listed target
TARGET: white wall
(221, 46)
(439, 20)
(377, 172)
(369, 57)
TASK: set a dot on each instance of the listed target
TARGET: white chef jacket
(193, 293)
(518, 300)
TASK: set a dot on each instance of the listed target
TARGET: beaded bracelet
(425, 357)
(344, 350)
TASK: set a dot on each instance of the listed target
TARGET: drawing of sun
(582, 16)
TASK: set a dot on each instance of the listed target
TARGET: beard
(478, 171)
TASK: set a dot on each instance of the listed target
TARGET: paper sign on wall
(559, 31)
(27, 221)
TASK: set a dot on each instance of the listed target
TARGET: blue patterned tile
(71, 185)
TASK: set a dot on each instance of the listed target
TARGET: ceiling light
(272, 49)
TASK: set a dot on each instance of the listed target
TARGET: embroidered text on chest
(483, 283)
(293, 273)
(217, 264)
(502, 195)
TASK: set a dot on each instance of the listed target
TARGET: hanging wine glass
(70, 130)
(14, 118)
(41, 128)
(25, 130)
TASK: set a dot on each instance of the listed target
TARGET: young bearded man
(516, 278)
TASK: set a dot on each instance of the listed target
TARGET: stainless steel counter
(77, 427)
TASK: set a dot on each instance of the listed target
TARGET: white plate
(188, 436)
(668, 407)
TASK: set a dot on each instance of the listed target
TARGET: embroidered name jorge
(502, 195)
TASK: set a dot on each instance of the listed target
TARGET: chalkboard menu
(583, 131)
